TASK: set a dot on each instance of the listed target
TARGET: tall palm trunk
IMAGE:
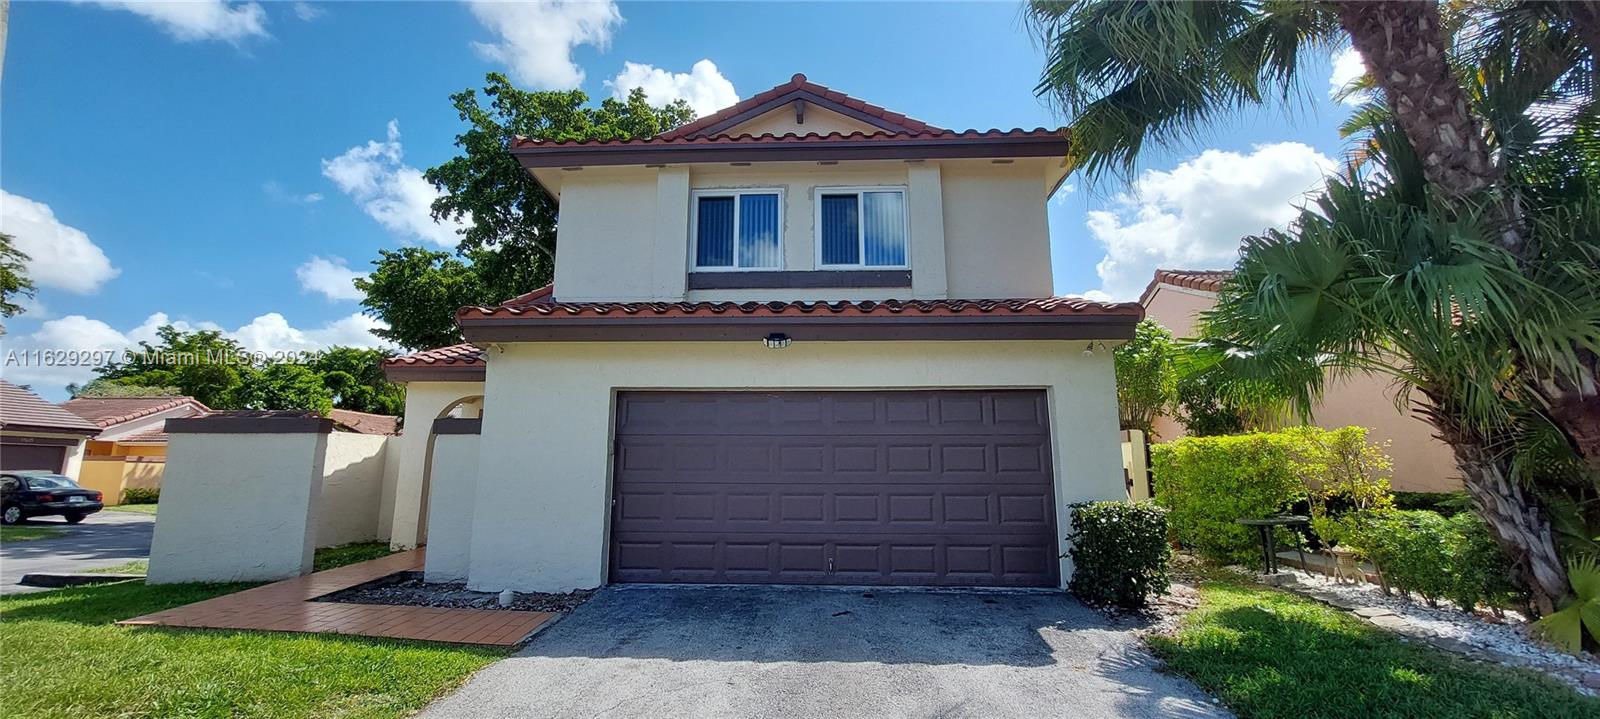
(1404, 47)
(1513, 515)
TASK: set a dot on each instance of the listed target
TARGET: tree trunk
(1513, 517)
(1404, 49)
(1573, 404)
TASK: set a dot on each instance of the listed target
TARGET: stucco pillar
(670, 260)
(239, 499)
(450, 503)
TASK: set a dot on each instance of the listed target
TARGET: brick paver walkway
(286, 607)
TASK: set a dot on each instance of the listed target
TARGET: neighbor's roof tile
(108, 411)
(21, 408)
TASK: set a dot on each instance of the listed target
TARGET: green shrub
(1423, 552)
(1209, 483)
(141, 495)
(1119, 553)
(1448, 504)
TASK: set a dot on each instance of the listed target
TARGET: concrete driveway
(646, 651)
(105, 539)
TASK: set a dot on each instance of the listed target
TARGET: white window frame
(735, 193)
(861, 227)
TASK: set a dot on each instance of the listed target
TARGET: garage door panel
(723, 507)
(17, 457)
(914, 488)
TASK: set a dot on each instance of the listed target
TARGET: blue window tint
(841, 238)
(714, 233)
(758, 231)
(883, 216)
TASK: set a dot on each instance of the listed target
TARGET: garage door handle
(830, 565)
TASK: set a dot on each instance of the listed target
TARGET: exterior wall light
(1089, 350)
(777, 341)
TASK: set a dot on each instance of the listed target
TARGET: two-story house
(803, 340)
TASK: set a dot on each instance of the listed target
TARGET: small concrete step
(72, 579)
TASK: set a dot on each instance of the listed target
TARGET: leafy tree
(14, 280)
(1147, 379)
(417, 292)
(355, 378)
(1465, 268)
(108, 388)
(285, 386)
(204, 365)
(508, 248)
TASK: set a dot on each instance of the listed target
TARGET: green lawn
(139, 508)
(331, 557)
(137, 566)
(23, 533)
(62, 646)
(1268, 653)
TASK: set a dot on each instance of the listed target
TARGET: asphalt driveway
(105, 539)
(798, 652)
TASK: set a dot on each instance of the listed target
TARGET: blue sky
(222, 164)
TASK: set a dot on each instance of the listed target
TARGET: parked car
(45, 494)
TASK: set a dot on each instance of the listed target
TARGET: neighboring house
(130, 451)
(35, 434)
(1422, 463)
(802, 340)
(364, 422)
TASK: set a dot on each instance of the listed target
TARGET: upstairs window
(738, 230)
(861, 227)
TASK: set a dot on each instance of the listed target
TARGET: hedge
(141, 495)
(1208, 483)
(1435, 557)
(1119, 553)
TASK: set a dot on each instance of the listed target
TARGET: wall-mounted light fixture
(777, 341)
(1091, 348)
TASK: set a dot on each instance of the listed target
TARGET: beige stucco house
(37, 435)
(802, 340)
(1422, 463)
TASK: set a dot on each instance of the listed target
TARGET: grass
(136, 508)
(331, 557)
(1267, 653)
(137, 566)
(22, 533)
(63, 647)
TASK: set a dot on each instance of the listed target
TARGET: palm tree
(1462, 274)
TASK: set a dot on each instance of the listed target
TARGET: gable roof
(365, 422)
(799, 89)
(896, 136)
(1201, 280)
(109, 411)
(24, 410)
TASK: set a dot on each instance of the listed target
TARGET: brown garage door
(900, 488)
(31, 456)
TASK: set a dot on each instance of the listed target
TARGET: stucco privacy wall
(450, 507)
(543, 495)
(237, 507)
(425, 402)
(352, 489)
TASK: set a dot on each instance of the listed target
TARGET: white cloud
(703, 86)
(390, 191)
(193, 20)
(307, 11)
(330, 277)
(1194, 216)
(270, 333)
(1347, 68)
(536, 38)
(1093, 295)
(277, 193)
(60, 255)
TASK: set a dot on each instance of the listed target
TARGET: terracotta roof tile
(20, 408)
(463, 354)
(545, 307)
(108, 411)
(1202, 280)
(157, 435)
(747, 139)
(365, 422)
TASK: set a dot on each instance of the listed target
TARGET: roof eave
(800, 328)
(909, 149)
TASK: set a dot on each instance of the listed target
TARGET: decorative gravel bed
(408, 589)
(1503, 640)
